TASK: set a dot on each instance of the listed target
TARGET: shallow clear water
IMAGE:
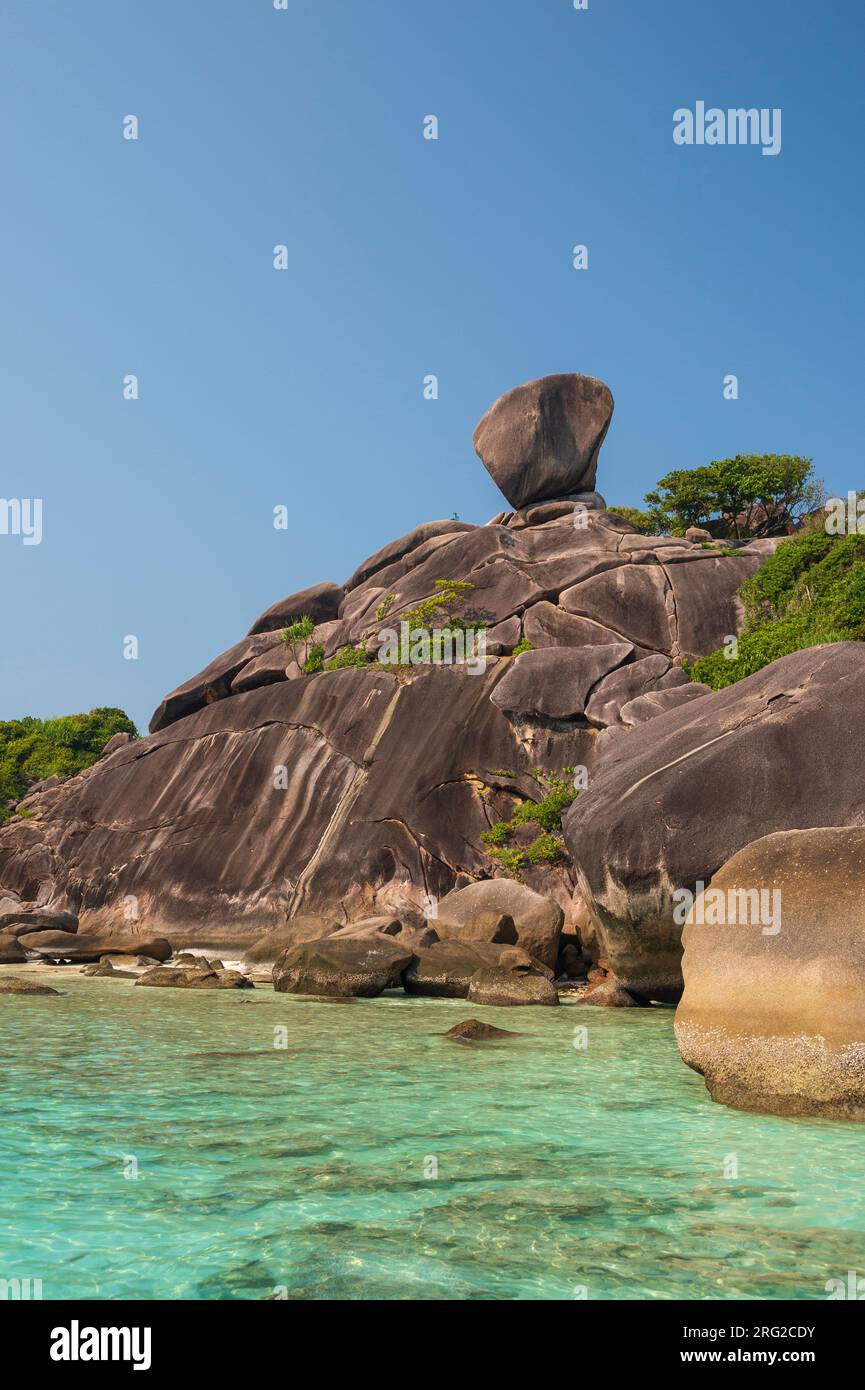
(303, 1169)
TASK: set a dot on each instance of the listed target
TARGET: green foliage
(298, 631)
(514, 860)
(347, 656)
(314, 660)
(437, 613)
(295, 635)
(384, 607)
(751, 494)
(646, 522)
(811, 591)
(32, 749)
(548, 847)
(524, 645)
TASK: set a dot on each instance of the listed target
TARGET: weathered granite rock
(295, 932)
(319, 602)
(682, 793)
(358, 966)
(773, 1012)
(557, 681)
(490, 926)
(57, 945)
(30, 919)
(105, 968)
(657, 702)
(473, 1030)
(118, 740)
(360, 793)
(537, 920)
(446, 969)
(11, 953)
(397, 550)
(609, 994)
(542, 440)
(214, 682)
(20, 984)
(628, 683)
(174, 977)
(506, 988)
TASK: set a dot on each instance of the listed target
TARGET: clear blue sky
(406, 257)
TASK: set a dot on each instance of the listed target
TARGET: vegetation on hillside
(548, 846)
(32, 749)
(749, 495)
(811, 591)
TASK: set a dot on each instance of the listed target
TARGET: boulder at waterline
(57, 945)
(268, 948)
(681, 794)
(361, 967)
(609, 994)
(537, 920)
(542, 440)
(473, 1030)
(447, 969)
(773, 1011)
(503, 987)
(179, 977)
(106, 969)
(17, 984)
(11, 952)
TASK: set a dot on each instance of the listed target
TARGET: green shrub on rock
(32, 749)
(811, 591)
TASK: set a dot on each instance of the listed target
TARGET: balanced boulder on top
(541, 440)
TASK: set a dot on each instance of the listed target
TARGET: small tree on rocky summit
(751, 495)
(296, 635)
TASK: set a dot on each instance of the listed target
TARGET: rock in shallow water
(473, 1030)
(361, 967)
(16, 984)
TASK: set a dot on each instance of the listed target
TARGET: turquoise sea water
(304, 1169)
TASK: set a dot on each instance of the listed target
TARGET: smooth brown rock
(491, 926)
(361, 967)
(537, 920)
(31, 919)
(445, 970)
(213, 683)
(773, 1012)
(683, 792)
(609, 994)
(319, 602)
(541, 440)
(556, 681)
(473, 1030)
(11, 953)
(297, 930)
(78, 947)
(18, 984)
(507, 988)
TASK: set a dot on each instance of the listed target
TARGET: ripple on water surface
(307, 1168)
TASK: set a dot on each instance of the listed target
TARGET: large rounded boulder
(773, 1012)
(542, 440)
(679, 795)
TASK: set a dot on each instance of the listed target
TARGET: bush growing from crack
(549, 846)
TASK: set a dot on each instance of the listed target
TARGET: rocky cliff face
(262, 792)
